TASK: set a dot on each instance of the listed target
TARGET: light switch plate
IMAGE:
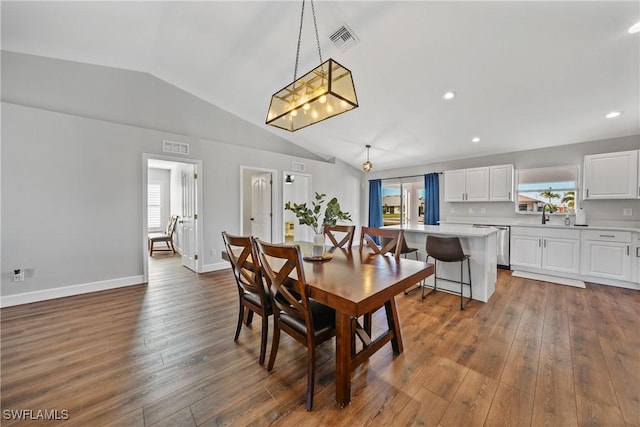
(627, 211)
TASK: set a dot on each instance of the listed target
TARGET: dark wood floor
(163, 354)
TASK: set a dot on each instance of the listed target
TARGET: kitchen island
(480, 243)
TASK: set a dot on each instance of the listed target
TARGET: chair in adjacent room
(295, 313)
(252, 293)
(166, 237)
(343, 232)
(448, 249)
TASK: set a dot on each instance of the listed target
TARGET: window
(154, 206)
(403, 201)
(554, 186)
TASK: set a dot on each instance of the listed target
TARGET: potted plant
(311, 216)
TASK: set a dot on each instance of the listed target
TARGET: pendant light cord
(313, 11)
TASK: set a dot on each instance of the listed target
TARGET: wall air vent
(344, 38)
(175, 147)
(297, 166)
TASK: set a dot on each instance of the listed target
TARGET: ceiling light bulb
(635, 28)
(613, 114)
(475, 140)
(294, 113)
(449, 95)
(367, 166)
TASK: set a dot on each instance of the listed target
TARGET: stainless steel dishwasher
(502, 240)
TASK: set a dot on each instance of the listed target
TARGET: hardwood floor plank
(510, 407)
(471, 403)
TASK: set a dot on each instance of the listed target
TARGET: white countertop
(445, 230)
(516, 223)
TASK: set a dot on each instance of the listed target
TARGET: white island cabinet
(480, 243)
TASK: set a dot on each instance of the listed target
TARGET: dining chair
(448, 249)
(252, 293)
(343, 232)
(166, 236)
(390, 242)
(370, 236)
(295, 313)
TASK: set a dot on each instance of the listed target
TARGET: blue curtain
(375, 203)
(432, 199)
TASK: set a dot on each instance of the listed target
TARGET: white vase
(318, 244)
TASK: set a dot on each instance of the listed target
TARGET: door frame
(274, 200)
(199, 204)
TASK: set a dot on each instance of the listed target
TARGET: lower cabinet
(607, 254)
(546, 249)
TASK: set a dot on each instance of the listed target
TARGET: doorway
(256, 202)
(173, 186)
(296, 188)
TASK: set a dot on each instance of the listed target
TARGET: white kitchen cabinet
(611, 176)
(607, 254)
(546, 250)
(466, 185)
(501, 183)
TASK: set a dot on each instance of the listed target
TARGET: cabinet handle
(607, 235)
(638, 252)
(627, 249)
(587, 192)
(544, 243)
(539, 242)
(510, 194)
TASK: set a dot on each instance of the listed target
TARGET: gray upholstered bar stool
(448, 249)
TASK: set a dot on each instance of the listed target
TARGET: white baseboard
(66, 291)
(206, 268)
(551, 279)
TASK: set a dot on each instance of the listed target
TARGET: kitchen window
(555, 186)
(403, 201)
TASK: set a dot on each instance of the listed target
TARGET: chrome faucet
(545, 218)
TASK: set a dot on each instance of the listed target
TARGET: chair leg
(462, 307)
(311, 374)
(249, 318)
(239, 326)
(151, 248)
(274, 344)
(263, 339)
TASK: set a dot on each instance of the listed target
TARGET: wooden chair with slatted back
(295, 313)
(392, 242)
(343, 232)
(166, 237)
(252, 292)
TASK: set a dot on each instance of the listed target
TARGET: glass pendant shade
(323, 92)
(367, 166)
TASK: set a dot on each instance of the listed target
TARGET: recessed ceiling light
(635, 28)
(613, 114)
(475, 140)
(449, 95)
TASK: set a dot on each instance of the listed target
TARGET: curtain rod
(408, 176)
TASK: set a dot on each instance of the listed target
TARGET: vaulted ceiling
(526, 74)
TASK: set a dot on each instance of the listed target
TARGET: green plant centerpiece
(311, 216)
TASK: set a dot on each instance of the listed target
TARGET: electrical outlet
(627, 211)
(470, 210)
(214, 253)
(452, 210)
(483, 210)
(18, 275)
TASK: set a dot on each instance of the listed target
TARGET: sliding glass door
(403, 201)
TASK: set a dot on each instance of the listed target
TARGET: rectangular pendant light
(323, 92)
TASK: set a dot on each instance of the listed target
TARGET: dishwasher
(502, 240)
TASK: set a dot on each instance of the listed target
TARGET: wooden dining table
(355, 283)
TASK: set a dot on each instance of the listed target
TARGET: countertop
(517, 223)
(445, 230)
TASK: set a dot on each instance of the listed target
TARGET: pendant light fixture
(367, 166)
(323, 92)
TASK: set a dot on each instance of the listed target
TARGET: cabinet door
(454, 186)
(611, 176)
(501, 183)
(477, 184)
(561, 255)
(611, 260)
(526, 251)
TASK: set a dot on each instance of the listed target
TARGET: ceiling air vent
(175, 147)
(344, 38)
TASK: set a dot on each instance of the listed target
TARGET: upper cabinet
(501, 183)
(466, 185)
(611, 176)
(494, 183)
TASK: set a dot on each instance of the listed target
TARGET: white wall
(72, 187)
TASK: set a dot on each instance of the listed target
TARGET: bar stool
(448, 249)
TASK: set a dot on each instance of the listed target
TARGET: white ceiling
(527, 74)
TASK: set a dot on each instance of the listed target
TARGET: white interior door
(261, 206)
(189, 217)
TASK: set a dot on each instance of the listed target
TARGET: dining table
(356, 282)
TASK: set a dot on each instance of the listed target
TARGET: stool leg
(461, 285)
(435, 278)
